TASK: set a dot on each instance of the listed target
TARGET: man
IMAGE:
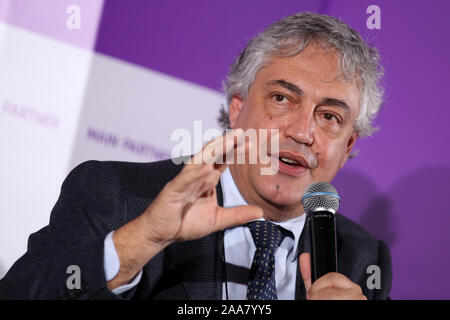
(166, 231)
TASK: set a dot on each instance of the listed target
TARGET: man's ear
(235, 108)
(350, 145)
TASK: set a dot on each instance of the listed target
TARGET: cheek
(256, 114)
(264, 120)
(329, 154)
(251, 117)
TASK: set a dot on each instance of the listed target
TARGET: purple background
(396, 187)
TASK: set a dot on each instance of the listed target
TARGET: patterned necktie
(267, 237)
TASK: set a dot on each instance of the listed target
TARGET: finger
(305, 269)
(230, 217)
(220, 151)
(184, 181)
(243, 150)
(213, 152)
(208, 184)
(333, 280)
(337, 294)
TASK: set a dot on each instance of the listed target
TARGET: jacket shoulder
(104, 195)
(137, 178)
(360, 249)
(356, 241)
(347, 228)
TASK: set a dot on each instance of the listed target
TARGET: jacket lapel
(203, 279)
(303, 246)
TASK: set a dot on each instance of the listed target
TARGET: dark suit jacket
(98, 197)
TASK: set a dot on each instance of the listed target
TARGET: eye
(330, 117)
(279, 98)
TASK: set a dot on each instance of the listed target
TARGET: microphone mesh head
(320, 195)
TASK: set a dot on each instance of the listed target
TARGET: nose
(301, 127)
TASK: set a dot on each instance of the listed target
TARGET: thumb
(305, 269)
(230, 217)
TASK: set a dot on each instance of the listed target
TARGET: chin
(288, 194)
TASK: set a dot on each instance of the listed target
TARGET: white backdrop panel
(42, 83)
(61, 105)
(130, 112)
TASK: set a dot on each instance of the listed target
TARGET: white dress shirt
(239, 251)
(240, 248)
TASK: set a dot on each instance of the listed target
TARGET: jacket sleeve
(73, 241)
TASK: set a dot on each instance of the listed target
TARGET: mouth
(289, 162)
(292, 164)
(292, 159)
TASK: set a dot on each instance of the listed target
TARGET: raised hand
(185, 209)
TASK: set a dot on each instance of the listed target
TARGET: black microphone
(321, 201)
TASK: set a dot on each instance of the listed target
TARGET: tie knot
(266, 234)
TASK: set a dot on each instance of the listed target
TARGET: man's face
(315, 113)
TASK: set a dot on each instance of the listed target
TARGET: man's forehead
(318, 77)
(314, 62)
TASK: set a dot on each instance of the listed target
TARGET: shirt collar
(232, 198)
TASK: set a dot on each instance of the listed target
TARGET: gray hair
(289, 37)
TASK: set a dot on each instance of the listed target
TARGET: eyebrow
(295, 89)
(287, 85)
(335, 102)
